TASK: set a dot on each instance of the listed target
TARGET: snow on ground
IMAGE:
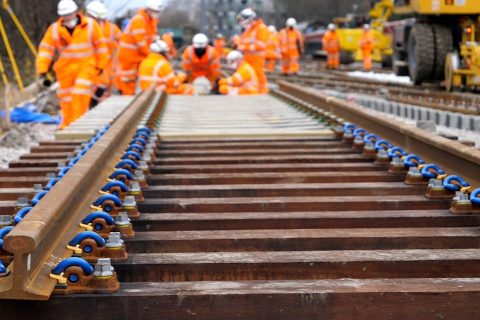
(385, 77)
(18, 140)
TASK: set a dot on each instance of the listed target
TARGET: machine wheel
(452, 63)
(443, 45)
(346, 57)
(421, 50)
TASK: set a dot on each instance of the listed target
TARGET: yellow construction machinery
(438, 40)
(350, 31)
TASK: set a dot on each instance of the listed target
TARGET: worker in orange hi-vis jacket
(97, 10)
(134, 45)
(235, 41)
(81, 54)
(156, 71)
(273, 49)
(167, 37)
(331, 45)
(201, 60)
(291, 46)
(253, 44)
(219, 45)
(244, 81)
(367, 44)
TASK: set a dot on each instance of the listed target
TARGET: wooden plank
(286, 204)
(304, 240)
(300, 265)
(299, 220)
(338, 299)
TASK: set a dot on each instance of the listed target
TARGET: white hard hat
(234, 56)
(66, 7)
(159, 46)
(155, 5)
(200, 40)
(331, 26)
(272, 28)
(97, 10)
(366, 26)
(246, 16)
(291, 22)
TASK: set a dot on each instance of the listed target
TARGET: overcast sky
(119, 7)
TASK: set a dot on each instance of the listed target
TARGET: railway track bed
(254, 209)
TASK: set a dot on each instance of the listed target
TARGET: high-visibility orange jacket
(253, 42)
(243, 81)
(168, 39)
(207, 66)
(219, 45)
(331, 42)
(273, 47)
(367, 41)
(80, 57)
(291, 42)
(112, 34)
(156, 69)
(137, 37)
(84, 47)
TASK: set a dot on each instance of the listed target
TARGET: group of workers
(331, 45)
(90, 56)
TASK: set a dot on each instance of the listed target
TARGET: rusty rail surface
(38, 243)
(453, 156)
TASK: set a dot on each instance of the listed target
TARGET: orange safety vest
(273, 47)
(112, 34)
(135, 41)
(253, 42)
(207, 66)
(367, 40)
(291, 41)
(156, 70)
(331, 42)
(168, 39)
(244, 78)
(85, 47)
(219, 45)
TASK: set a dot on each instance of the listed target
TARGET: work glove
(44, 81)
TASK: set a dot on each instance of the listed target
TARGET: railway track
(254, 208)
(430, 97)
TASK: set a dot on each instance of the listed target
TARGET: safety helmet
(291, 22)
(234, 57)
(272, 28)
(246, 16)
(331, 26)
(66, 7)
(97, 10)
(366, 26)
(155, 5)
(159, 46)
(200, 40)
(219, 36)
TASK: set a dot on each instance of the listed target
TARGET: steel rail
(452, 156)
(38, 243)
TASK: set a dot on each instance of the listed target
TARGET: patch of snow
(384, 77)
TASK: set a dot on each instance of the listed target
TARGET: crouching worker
(243, 81)
(156, 71)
